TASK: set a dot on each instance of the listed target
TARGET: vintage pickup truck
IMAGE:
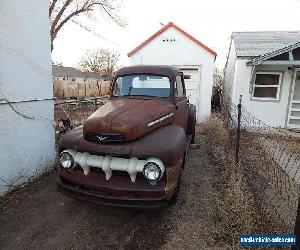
(131, 151)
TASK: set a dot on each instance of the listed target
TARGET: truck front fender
(167, 143)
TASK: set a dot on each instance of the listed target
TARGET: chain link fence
(72, 113)
(270, 161)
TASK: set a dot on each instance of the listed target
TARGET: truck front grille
(107, 163)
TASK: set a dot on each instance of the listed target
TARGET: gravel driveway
(38, 217)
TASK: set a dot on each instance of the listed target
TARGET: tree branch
(63, 22)
(51, 7)
(110, 15)
(59, 18)
(59, 15)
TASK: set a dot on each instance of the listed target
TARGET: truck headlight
(152, 172)
(66, 160)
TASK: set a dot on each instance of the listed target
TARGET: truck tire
(175, 195)
(193, 135)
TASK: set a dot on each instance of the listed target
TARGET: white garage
(173, 46)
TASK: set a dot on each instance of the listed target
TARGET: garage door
(191, 79)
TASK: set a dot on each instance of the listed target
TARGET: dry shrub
(241, 202)
(276, 194)
(236, 210)
(255, 196)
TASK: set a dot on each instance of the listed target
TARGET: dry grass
(256, 196)
(292, 145)
(276, 193)
(235, 205)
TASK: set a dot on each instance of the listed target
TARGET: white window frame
(268, 86)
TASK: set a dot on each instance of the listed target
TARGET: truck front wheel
(193, 135)
(175, 195)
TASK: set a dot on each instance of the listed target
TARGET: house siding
(272, 113)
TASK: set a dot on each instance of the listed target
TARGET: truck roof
(164, 70)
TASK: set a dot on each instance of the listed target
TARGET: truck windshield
(142, 85)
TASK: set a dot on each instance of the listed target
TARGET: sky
(209, 21)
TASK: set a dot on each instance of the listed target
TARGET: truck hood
(128, 118)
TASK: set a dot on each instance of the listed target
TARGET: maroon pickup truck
(131, 151)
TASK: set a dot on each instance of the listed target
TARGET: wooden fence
(90, 88)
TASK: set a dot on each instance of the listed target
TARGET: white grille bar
(108, 163)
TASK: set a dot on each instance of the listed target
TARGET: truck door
(181, 112)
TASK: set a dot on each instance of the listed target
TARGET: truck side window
(179, 86)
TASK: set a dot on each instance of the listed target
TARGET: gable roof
(264, 57)
(253, 44)
(61, 71)
(170, 24)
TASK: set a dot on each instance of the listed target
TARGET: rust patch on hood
(129, 117)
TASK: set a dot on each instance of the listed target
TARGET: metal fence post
(238, 133)
(95, 103)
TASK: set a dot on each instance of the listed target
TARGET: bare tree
(57, 63)
(217, 77)
(217, 91)
(62, 11)
(99, 61)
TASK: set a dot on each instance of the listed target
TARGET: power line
(94, 33)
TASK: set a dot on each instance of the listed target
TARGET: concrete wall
(26, 130)
(184, 52)
(273, 113)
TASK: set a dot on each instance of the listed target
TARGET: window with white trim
(267, 86)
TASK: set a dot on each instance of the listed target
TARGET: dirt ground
(38, 217)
